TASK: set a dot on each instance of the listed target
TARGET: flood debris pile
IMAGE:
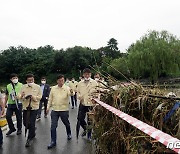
(115, 136)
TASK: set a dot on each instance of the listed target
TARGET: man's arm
(50, 101)
(2, 105)
(21, 94)
(79, 93)
(38, 96)
(48, 90)
(70, 92)
(6, 97)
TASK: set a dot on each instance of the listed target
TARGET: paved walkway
(16, 144)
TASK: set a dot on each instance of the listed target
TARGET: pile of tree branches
(113, 135)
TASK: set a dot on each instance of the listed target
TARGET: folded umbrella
(27, 123)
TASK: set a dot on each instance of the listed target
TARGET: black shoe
(19, 132)
(10, 132)
(28, 143)
(45, 116)
(73, 107)
(51, 145)
(1, 146)
(69, 137)
(38, 118)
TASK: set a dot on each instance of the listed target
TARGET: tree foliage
(154, 55)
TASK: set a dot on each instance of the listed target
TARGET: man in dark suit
(44, 100)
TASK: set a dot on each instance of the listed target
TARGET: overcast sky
(91, 23)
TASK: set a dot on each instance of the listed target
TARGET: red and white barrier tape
(147, 129)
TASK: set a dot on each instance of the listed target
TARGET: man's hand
(16, 97)
(34, 98)
(80, 98)
(23, 94)
(71, 91)
(93, 101)
(3, 113)
(47, 111)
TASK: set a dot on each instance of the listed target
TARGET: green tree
(111, 50)
(155, 55)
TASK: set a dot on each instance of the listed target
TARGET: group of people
(26, 102)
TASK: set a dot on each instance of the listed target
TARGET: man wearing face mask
(97, 77)
(100, 81)
(85, 90)
(44, 100)
(73, 86)
(59, 103)
(14, 104)
(30, 95)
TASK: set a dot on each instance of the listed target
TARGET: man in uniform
(73, 86)
(85, 90)
(30, 95)
(59, 102)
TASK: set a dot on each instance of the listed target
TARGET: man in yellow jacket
(85, 89)
(73, 85)
(59, 103)
(30, 96)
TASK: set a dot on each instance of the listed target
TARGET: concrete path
(16, 144)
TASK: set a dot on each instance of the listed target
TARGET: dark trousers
(40, 107)
(9, 113)
(30, 121)
(81, 117)
(74, 100)
(64, 115)
(1, 137)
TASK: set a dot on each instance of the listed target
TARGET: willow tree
(156, 54)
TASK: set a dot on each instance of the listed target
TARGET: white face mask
(96, 79)
(87, 79)
(30, 84)
(43, 82)
(15, 81)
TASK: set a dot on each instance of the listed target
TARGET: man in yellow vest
(14, 104)
(85, 90)
(59, 102)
